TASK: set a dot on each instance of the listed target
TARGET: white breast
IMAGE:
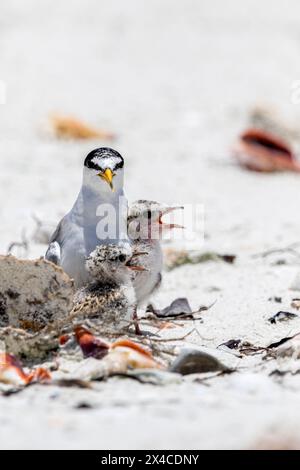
(73, 253)
(145, 282)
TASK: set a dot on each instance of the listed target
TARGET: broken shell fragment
(89, 344)
(295, 304)
(258, 150)
(119, 356)
(10, 370)
(12, 373)
(134, 355)
(63, 339)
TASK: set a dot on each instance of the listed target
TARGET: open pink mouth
(168, 211)
(136, 268)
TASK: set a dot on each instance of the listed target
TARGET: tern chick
(145, 229)
(109, 300)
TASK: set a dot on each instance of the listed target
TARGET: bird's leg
(136, 322)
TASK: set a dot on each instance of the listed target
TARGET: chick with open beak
(145, 230)
(145, 220)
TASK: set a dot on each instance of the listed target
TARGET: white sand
(174, 81)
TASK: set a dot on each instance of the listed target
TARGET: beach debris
(63, 339)
(118, 356)
(68, 127)
(136, 356)
(166, 325)
(280, 342)
(33, 293)
(231, 345)
(176, 258)
(282, 316)
(89, 344)
(43, 231)
(12, 373)
(69, 383)
(262, 151)
(19, 248)
(275, 299)
(193, 361)
(280, 256)
(288, 347)
(245, 348)
(83, 405)
(178, 309)
(295, 304)
(241, 348)
(121, 358)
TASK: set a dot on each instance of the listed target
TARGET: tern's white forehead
(108, 161)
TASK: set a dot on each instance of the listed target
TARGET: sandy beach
(174, 82)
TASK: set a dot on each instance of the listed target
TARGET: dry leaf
(282, 316)
(68, 127)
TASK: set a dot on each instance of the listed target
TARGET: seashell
(89, 344)
(119, 356)
(63, 339)
(12, 373)
(295, 304)
(133, 356)
(262, 151)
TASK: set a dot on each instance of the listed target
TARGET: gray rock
(192, 361)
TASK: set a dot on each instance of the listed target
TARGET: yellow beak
(107, 175)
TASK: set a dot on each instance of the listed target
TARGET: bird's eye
(122, 258)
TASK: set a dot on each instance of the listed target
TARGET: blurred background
(170, 84)
(173, 81)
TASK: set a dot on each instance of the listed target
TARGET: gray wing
(53, 252)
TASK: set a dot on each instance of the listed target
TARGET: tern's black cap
(102, 158)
